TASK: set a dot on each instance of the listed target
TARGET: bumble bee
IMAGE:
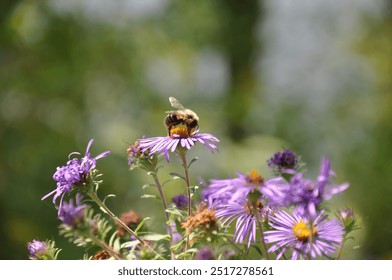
(181, 117)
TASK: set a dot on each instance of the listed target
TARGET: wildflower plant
(280, 217)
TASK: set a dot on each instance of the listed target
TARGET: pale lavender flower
(303, 193)
(242, 211)
(76, 171)
(166, 144)
(229, 190)
(37, 248)
(293, 233)
(71, 214)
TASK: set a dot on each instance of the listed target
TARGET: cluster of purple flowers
(75, 172)
(250, 201)
(284, 213)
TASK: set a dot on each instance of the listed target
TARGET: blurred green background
(313, 76)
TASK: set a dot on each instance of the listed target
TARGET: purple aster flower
(284, 161)
(293, 233)
(71, 214)
(304, 193)
(76, 171)
(181, 201)
(229, 190)
(37, 248)
(205, 253)
(178, 138)
(242, 211)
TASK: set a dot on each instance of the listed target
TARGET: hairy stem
(105, 209)
(182, 154)
(263, 248)
(164, 205)
(341, 248)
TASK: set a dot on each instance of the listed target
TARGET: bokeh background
(312, 76)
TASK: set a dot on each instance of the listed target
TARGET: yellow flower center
(302, 231)
(254, 179)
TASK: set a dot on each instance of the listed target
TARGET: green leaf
(156, 237)
(145, 186)
(178, 245)
(176, 176)
(130, 244)
(192, 161)
(257, 249)
(175, 211)
(113, 239)
(169, 180)
(186, 254)
(108, 196)
(150, 196)
(139, 226)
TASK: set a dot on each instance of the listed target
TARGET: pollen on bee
(180, 131)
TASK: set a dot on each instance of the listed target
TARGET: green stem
(264, 249)
(182, 154)
(311, 239)
(164, 205)
(105, 209)
(341, 249)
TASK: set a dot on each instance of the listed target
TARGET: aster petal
(102, 155)
(175, 144)
(88, 146)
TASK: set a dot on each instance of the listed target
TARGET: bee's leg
(169, 130)
(190, 130)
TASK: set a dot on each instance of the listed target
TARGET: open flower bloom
(178, 138)
(74, 172)
(242, 211)
(303, 193)
(229, 190)
(293, 233)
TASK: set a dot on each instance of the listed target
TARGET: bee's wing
(176, 104)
